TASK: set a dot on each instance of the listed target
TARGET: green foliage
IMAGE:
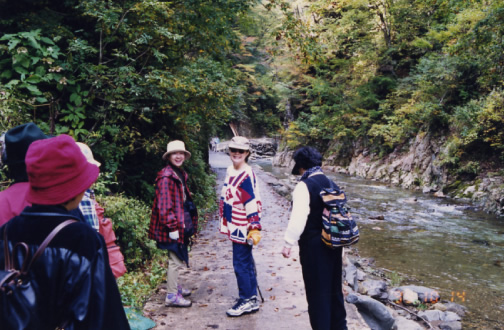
(130, 220)
(137, 286)
(420, 305)
(395, 279)
(384, 71)
(126, 78)
(471, 169)
(451, 154)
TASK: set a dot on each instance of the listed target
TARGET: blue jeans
(243, 264)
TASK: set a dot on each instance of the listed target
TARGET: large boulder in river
(376, 314)
(264, 147)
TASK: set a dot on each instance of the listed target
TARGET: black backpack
(338, 226)
(18, 300)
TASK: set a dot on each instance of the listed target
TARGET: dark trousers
(322, 268)
(243, 264)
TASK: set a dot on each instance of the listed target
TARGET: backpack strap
(7, 257)
(48, 239)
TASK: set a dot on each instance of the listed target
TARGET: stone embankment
(417, 166)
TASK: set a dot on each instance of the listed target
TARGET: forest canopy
(128, 76)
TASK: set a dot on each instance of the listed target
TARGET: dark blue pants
(322, 268)
(243, 263)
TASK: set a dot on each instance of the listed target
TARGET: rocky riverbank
(382, 298)
(417, 166)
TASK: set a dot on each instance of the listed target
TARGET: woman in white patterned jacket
(240, 215)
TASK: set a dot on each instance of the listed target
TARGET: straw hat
(176, 146)
(239, 142)
(88, 153)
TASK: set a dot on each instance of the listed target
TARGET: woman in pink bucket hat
(174, 220)
(72, 281)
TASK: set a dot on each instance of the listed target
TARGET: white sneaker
(242, 306)
(176, 300)
(183, 292)
(255, 303)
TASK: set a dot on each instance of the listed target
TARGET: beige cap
(175, 146)
(88, 153)
(239, 142)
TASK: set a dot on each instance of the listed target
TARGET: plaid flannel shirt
(88, 209)
(168, 207)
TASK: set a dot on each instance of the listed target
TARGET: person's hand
(174, 235)
(255, 234)
(286, 252)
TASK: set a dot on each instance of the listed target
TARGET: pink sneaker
(176, 300)
(183, 292)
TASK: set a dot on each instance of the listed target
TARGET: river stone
(432, 315)
(452, 325)
(402, 323)
(451, 316)
(263, 146)
(425, 295)
(351, 275)
(410, 297)
(456, 308)
(372, 288)
(395, 295)
(376, 315)
(440, 307)
(361, 276)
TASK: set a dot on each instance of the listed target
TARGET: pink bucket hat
(57, 171)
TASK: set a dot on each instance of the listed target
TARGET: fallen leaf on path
(276, 309)
(203, 305)
(206, 268)
(269, 289)
(272, 297)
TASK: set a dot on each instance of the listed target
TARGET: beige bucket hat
(175, 146)
(88, 153)
(239, 142)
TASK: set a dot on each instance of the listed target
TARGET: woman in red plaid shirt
(174, 219)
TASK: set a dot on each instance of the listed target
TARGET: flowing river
(438, 243)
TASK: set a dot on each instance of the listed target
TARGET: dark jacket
(313, 226)
(168, 207)
(72, 279)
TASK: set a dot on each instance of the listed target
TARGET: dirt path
(213, 283)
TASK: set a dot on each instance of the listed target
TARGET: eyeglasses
(241, 151)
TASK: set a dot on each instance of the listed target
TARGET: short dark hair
(306, 157)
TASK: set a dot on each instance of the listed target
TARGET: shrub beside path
(212, 281)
